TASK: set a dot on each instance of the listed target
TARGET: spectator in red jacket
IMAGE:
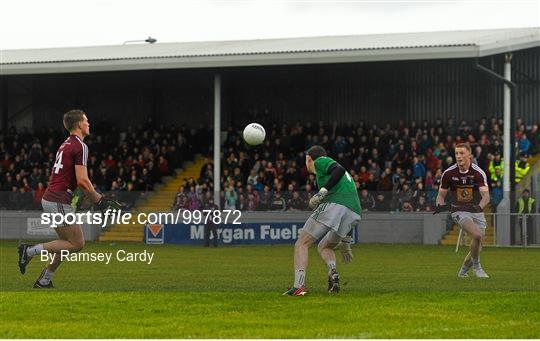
(163, 166)
(432, 162)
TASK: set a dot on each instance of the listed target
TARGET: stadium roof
(312, 50)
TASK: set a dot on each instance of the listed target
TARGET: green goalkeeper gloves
(345, 248)
(318, 198)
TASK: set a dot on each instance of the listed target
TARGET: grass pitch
(389, 291)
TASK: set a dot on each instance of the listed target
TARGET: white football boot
(480, 273)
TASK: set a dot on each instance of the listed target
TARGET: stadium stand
(126, 164)
(400, 166)
(394, 168)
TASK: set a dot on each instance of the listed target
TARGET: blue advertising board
(255, 233)
(232, 234)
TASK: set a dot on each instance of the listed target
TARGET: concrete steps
(160, 200)
(533, 159)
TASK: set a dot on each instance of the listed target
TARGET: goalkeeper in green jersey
(336, 212)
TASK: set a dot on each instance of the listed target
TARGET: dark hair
(316, 152)
(72, 117)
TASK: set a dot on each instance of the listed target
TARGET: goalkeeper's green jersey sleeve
(344, 192)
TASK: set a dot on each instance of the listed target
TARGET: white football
(254, 134)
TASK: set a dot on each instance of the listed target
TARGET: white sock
(476, 263)
(331, 266)
(47, 277)
(299, 278)
(34, 250)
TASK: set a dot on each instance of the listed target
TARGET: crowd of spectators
(395, 168)
(125, 163)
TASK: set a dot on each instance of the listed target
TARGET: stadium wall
(399, 228)
(17, 225)
(416, 228)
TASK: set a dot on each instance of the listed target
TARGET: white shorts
(57, 207)
(331, 217)
(478, 219)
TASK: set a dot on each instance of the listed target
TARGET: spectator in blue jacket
(524, 144)
(496, 193)
(419, 170)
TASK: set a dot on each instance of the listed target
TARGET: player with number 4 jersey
(68, 172)
(62, 182)
(336, 213)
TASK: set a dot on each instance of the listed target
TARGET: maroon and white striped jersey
(464, 186)
(73, 151)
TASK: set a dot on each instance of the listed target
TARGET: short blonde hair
(465, 145)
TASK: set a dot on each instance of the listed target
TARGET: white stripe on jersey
(85, 151)
(481, 172)
(85, 154)
(447, 169)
